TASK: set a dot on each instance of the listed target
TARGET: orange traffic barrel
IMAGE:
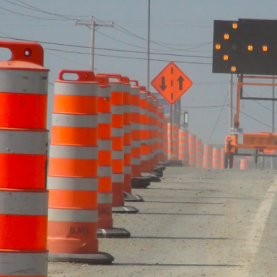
(222, 154)
(175, 142)
(184, 146)
(243, 164)
(104, 140)
(127, 134)
(136, 179)
(23, 157)
(165, 141)
(199, 153)
(208, 156)
(144, 131)
(145, 139)
(119, 90)
(216, 158)
(192, 150)
(151, 129)
(73, 171)
(161, 156)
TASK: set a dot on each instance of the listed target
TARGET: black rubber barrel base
(125, 210)
(119, 233)
(97, 258)
(176, 163)
(140, 182)
(130, 197)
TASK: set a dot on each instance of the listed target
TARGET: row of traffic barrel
(58, 191)
(191, 151)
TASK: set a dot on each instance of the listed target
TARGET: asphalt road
(195, 223)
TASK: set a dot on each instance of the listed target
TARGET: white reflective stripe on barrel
(23, 203)
(127, 129)
(23, 142)
(104, 92)
(78, 89)
(71, 215)
(104, 144)
(118, 155)
(78, 120)
(127, 169)
(126, 88)
(144, 157)
(67, 183)
(134, 91)
(116, 87)
(143, 112)
(127, 108)
(73, 152)
(104, 118)
(144, 127)
(104, 171)
(23, 263)
(117, 178)
(28, 82)
(117, 132)
(104, 198)
(127, 149)
(135, 143)
(135, 126)
(117, 109)
(135, 161)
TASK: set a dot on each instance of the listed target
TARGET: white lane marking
(254, 237)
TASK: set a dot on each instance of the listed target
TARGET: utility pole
(148, 48)
(92, 25)
(231, 117)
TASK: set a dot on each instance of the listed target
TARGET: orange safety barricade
(151, 121)
(127, 134)
(216, 158)
(161, 157)
(118, 90)
(222, 153)
(165, 140)
(192, 150)
(105, 221)
(23, 156)
(184, 146)
(73, 171)
(144, 131)
(199, 154)
(243, 164)
(208, 156)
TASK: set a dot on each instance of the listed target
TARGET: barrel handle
(135, 81)
(31, 52)
(83, 75)
(111, 76)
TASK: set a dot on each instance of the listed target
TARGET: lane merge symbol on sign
(171, 83)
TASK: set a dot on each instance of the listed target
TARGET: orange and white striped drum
(199, 153)
(105, 220)
(222, 153)
(216, 158)
(243, 164)
(155, 129)
(23, 156)
(184, 146)
(192, 150)
(165, 140)
(151, 120)
(135, 130)
(161, 134)
(117, 140)
(208, 156)
(175, 141)
(144, 131)
(73, 164)
(127, 133)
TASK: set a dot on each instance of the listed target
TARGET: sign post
(171, 83)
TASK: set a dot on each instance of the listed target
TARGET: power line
(218, 116)
(203, 107)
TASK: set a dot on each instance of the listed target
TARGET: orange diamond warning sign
(171, 83)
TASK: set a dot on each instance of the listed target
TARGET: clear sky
(181, 31)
